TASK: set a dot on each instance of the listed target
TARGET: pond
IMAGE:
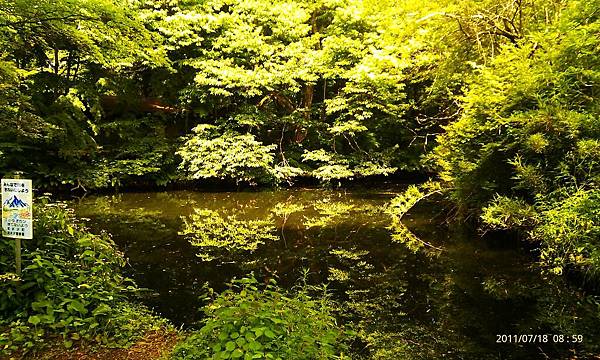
(453, 303)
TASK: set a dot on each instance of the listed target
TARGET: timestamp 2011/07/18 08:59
(538, 338)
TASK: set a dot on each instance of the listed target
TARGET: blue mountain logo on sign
(15, 202)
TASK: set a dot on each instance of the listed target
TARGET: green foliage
(249, 322)
(524, 148)
(52, 85)
(303, 76)
(568, 231)
(507, 213)
(109, 93)
(333, 166)
(228, 156)
(400, 205)
(369, 83)
(105, 31)
(71, 286)
(565, 224)
(523, 116)
(103, 88)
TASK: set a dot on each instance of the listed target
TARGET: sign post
(17, 213)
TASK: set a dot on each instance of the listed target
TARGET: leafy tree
(228, 156)
(55, 57)
(525, 142)
(303, 76)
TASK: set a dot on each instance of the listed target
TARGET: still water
(429, 304)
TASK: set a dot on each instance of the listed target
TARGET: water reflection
(403, 303)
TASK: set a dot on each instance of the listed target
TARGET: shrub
(246, 322)
(71, 286)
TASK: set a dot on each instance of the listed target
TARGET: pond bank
(155, 345)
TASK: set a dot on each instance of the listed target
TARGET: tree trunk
(309, 91)
(56, 64)
(69, 64)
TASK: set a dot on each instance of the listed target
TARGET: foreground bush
(247, 323)
(71, 288)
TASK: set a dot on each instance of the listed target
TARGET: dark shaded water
(428, 304)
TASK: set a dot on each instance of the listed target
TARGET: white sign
(17, 212)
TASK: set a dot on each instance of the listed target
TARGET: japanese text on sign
(17, 212)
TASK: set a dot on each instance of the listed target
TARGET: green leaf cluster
(228, 156)
(71, 286)
(250, 321)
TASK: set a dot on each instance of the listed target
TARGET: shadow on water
(403, 304)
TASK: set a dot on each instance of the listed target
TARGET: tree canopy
(496, 99)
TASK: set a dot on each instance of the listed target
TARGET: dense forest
(495, 102)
